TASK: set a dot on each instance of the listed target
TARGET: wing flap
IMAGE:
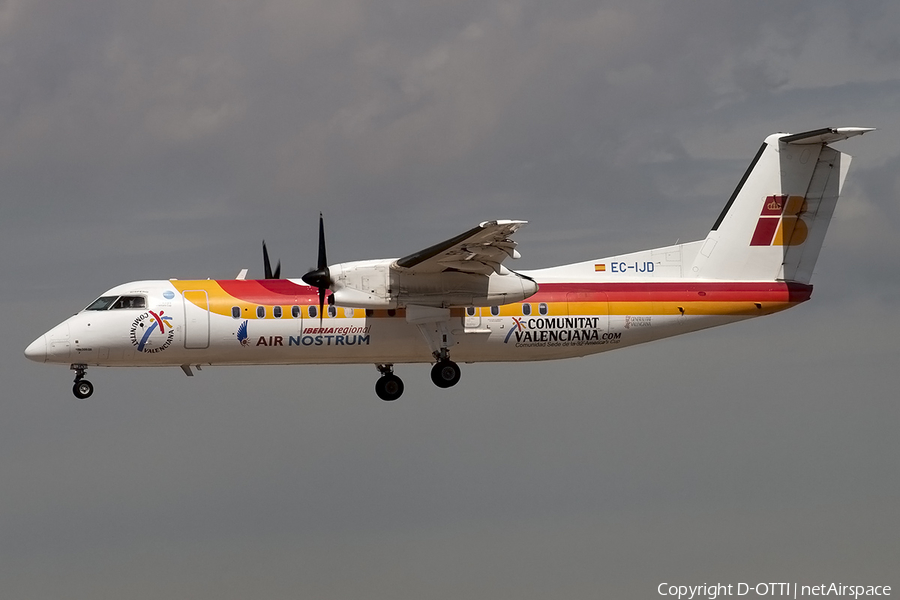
(479, 250)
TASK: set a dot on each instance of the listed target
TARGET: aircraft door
(196, 319)
(472, 319)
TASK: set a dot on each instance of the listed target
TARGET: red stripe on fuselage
(675, 291)
(269, 291)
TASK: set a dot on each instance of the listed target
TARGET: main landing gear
(389, 387)
(82, 388)
(445, 373)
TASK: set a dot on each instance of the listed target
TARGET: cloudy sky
(164, 138)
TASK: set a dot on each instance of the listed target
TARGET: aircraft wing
(479, 250)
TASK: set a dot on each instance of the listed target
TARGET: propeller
(268, 266)
(320, 277)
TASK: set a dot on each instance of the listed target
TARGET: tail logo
(780, 222)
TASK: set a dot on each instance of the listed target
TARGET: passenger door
(196, 319)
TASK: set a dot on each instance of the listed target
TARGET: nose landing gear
(82, 388)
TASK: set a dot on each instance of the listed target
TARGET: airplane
(458, 299)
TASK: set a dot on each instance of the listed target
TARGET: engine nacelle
(362, 284)
(352, 298)
(375, 284)
(452, 288)
(505, 288)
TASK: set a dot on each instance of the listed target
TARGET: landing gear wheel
(83, 389)
(389, 387)
(445, 373)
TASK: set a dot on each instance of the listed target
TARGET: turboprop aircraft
(458, 300)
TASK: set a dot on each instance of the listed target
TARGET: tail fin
(773, 226)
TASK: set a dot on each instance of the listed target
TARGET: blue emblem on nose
(168, 294)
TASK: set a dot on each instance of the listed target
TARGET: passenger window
(332, 311)
(260, 312)
(102, 303)
(526, 309)
(495, 310)
(542, 308)
(313, 312)
(295, 312)
(470, 311)
(130, 302)
(277, 312)
(348, 312)
(236, 312)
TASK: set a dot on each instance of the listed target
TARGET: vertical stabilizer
(773, 226)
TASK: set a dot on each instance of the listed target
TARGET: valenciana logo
(780, 222)
(559, 331)
(143, 328)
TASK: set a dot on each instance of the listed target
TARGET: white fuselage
(200, 323)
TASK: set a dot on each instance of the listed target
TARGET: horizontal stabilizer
(825, 136)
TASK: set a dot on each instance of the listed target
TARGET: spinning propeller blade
(320, 277)
(268, 266)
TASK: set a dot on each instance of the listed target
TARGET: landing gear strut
(389, 387)
(445, 373)
(82, 388)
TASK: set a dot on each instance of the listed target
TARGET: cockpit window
(102, 303)
(130, 302)
(117, 302)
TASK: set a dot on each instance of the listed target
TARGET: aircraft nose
(53, 346)
(37, 350)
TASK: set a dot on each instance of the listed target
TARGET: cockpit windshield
(130, 302)
(102, 303)
(117, 302)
